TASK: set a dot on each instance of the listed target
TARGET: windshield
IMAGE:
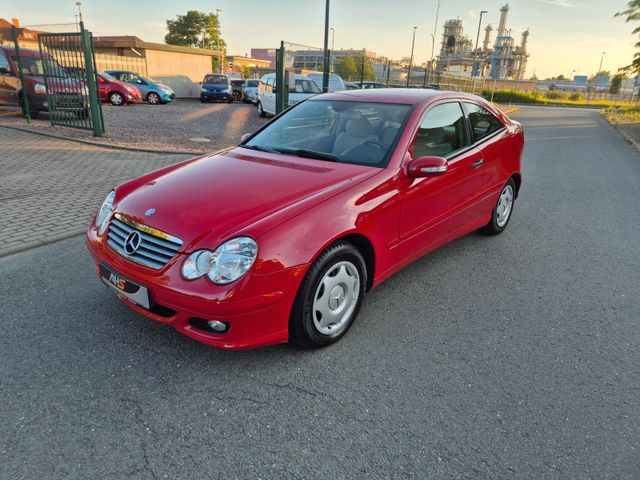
(108, 77)
(35, 66)
(361, 133)
(147, 79)
(253, 83)
(216, 79)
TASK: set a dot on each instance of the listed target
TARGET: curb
(628, 138)
(4, 252)
(100, 144)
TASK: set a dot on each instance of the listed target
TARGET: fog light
(217, 326)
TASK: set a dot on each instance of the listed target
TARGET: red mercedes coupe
(279, 238)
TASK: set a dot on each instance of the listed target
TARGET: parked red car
(116, 92)
(279, 238)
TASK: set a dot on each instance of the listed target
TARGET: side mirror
(245, 137)
(427, 167)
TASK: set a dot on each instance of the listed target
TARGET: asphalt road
(516, 356)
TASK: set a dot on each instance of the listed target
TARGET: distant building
(27, 37)
(504, 60)
(314, 59)
(267, 54)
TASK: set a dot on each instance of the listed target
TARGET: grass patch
(617, 115)
(550, 98)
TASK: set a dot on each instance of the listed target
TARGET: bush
(554, 95)
(576, 96)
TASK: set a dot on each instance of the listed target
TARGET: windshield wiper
(301, 152)
(258, 148)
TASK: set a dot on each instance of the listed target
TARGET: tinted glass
(107, 77)
(482, 121)
(361, 133)
(216, 79)
(237, 83)
(4, 62)
(34, 66)
(442, 132)
(253, 83)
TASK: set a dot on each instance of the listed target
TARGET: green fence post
(94, 101)
(25, 96)
(280, 80)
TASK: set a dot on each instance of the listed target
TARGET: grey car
(251, 90)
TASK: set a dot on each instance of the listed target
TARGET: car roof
(27, 52)
(396, 95)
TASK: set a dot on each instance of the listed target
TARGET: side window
(442, 132)
(269, 86)
(4, 63)
(482, 121)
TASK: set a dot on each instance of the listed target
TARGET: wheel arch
(517, 179)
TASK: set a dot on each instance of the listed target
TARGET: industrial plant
(502, 59)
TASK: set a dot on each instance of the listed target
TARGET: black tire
(495, 226)
(236, 96)
(202, 100)
(116, 99)
(302, 328)
(230, 99)
(153, 98)
(261, 112)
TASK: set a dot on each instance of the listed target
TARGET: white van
(336, 84)
(302, 89)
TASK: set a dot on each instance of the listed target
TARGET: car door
(434, 209)
(269, 98)
(9, 84)
(489, 135)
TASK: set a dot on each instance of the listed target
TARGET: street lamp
(413, 44)
(325, 70)
(218, 41)
(475, 52)
(333, 40)
(433, 40)
(79, 4)
(599, 69)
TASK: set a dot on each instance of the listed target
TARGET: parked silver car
(251, 91)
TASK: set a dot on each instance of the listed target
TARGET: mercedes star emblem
(132, 243)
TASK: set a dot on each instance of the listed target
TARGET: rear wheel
(502, 211)
(329, 298)
(116, 99)
(261, 111)
(153, 98)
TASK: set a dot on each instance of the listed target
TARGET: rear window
(237, 83)
(304, 86)
(216, 79)
(253, 83)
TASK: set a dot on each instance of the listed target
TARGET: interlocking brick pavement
(50, 188)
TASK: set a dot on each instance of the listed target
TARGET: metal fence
(66, 63)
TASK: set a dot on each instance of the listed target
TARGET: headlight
(226, 90)
(102, 218)
(226, 264)
(204, 90)
(39, 88)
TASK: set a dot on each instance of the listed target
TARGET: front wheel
(329, 298)
(153, 98)
(261, 111)
(502, 211)
(116, 99)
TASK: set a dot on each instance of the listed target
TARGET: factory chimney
(487, 37)
(502, 26)
(525, 37)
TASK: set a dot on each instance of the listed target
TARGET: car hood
(209, 199)
(216, 87)
(59, 85)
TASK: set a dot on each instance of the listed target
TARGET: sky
(566, 35)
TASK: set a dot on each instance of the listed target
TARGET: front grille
(156, 248)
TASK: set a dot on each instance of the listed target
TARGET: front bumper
(215, 95)
(256, 307)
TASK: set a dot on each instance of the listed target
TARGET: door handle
(477, 163)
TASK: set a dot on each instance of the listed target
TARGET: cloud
(562, 3)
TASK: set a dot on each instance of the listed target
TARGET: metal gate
(66, 64)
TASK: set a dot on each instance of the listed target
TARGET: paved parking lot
(183, 125)
(508, 357)
(50, 188)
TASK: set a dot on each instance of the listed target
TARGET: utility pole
(325, 72)
(475, 54)
(413, 44)
(433, 40)
(364, 55)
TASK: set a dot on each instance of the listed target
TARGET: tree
(246, 71)
(632, 14)
(348, 67)
(195, 29)
(616, 83)
(601, 73)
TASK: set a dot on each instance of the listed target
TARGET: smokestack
(525, 36)
(487, 37)
(502, 26)
(16, 22)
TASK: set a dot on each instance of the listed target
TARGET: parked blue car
(152, 91)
